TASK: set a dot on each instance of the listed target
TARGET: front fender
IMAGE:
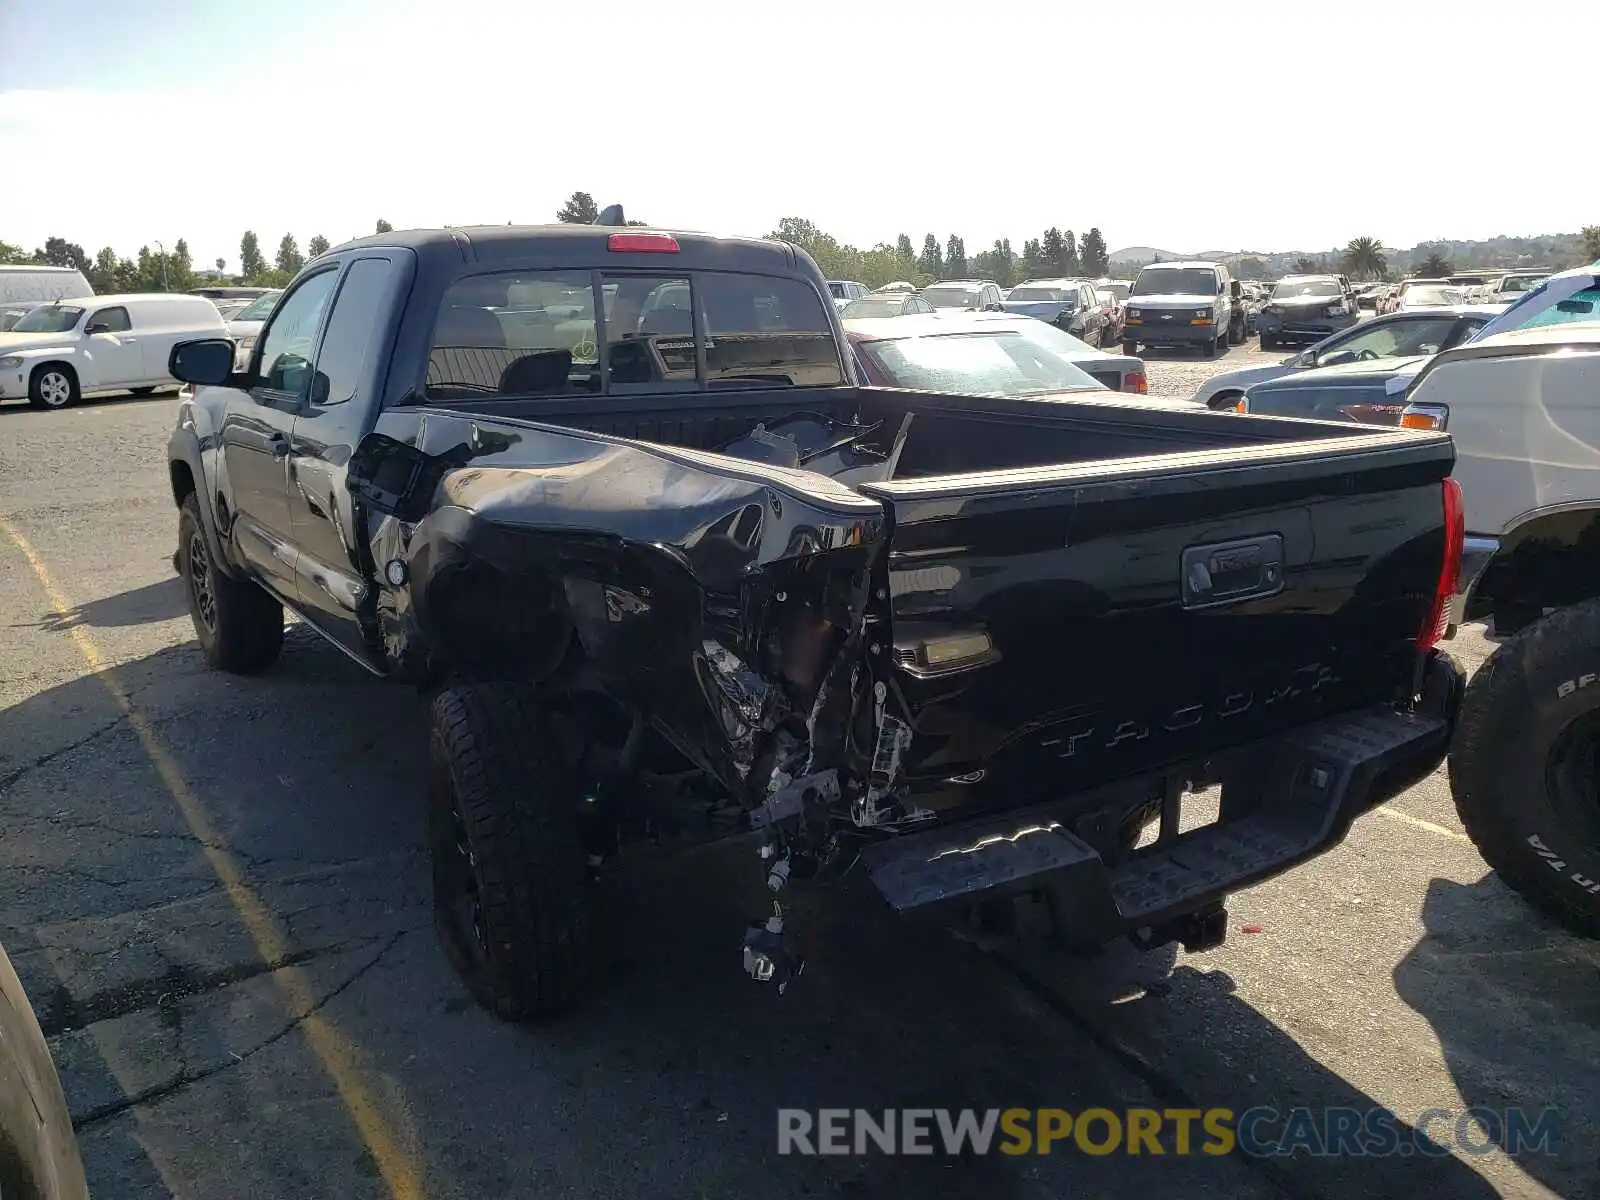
(191, 466)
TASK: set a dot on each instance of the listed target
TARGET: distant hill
(1553, 250)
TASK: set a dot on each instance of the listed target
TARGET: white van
(25, 287)
(60, 352)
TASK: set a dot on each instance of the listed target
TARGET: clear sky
(1189, 125)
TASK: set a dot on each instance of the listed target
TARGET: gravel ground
(215, 891)
(1177, 374)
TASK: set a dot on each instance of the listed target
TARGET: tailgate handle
(1227, 572)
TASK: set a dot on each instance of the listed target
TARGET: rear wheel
(1224, 400)
(53, 385)
(1209, 349)
(1525, 766)
(1129, 348)
(1268, 341)
(511, 893)
(239, 626)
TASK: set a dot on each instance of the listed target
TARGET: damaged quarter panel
(671, 568)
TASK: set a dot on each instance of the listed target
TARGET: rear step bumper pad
(1320, 778)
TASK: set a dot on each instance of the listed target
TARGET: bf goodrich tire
(1525, 766)
(239, 626)
(511, 893)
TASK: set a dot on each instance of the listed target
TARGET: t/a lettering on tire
(1525, 767)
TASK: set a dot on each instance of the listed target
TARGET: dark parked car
(38, 1151)
(1306, 308)
(1071, 305)
(1396, 335)
(1370, 392)
(616, 494)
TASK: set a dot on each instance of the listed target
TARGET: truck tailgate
(1136, 612)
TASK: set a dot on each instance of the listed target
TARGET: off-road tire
(239, 626)
(1524, 769)
(511, 888)
(1131, 349)
(45, 392)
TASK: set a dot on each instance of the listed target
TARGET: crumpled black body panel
(664, 564)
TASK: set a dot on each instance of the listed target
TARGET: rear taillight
(1136, 382)
(1424, 416)
(642, 243)
(1455, 533)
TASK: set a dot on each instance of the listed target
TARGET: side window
(352, 326)
(520, 333)
(109, 320)
(763, 331)
(290, 341)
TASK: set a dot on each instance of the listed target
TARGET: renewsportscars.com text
(1260, 1132)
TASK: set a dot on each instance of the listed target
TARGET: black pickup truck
(617, 495)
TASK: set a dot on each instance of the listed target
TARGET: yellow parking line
(1394, 814)
(394, 1160)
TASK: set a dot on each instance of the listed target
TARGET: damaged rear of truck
(679, 577)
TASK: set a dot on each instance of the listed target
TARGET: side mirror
(1335, 357)
(206, 361)
(95, 327)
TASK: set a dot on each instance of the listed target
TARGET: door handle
(279, 444)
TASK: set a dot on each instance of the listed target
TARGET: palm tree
(1364, 258)
(1435, 266)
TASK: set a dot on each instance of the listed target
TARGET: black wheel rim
(457, 900)
(1572, 778)
(200, 590)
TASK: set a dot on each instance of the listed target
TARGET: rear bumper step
(1316, 781)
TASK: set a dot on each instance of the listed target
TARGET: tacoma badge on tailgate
(1227, 572)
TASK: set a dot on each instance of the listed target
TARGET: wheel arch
(1549, 558)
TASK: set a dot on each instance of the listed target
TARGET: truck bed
(1158, 583)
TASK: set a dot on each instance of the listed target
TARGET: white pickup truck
(1525, 767)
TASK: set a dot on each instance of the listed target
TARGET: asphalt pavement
(216, 892)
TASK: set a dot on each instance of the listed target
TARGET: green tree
(1364, 258)
(1306, 266)
(251, 263)
(1067, 263)
(128, 278)
(222, 267)
(12, 254)
(1093, 259)
(58, 252)
(1033, 259)
(289, 258)
(932, 261)
(1590, 235)
(318, 245)
(902, 246)
(181, 267)
(1435, 266)
(1004, 262)
(955, 258)
(580, 209)
(383, 226)
(1051, 250)
(102, 273)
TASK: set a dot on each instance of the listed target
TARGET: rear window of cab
(587, 333)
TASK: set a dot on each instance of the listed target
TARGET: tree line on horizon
(1054, 253)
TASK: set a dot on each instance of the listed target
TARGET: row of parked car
(60, 342)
